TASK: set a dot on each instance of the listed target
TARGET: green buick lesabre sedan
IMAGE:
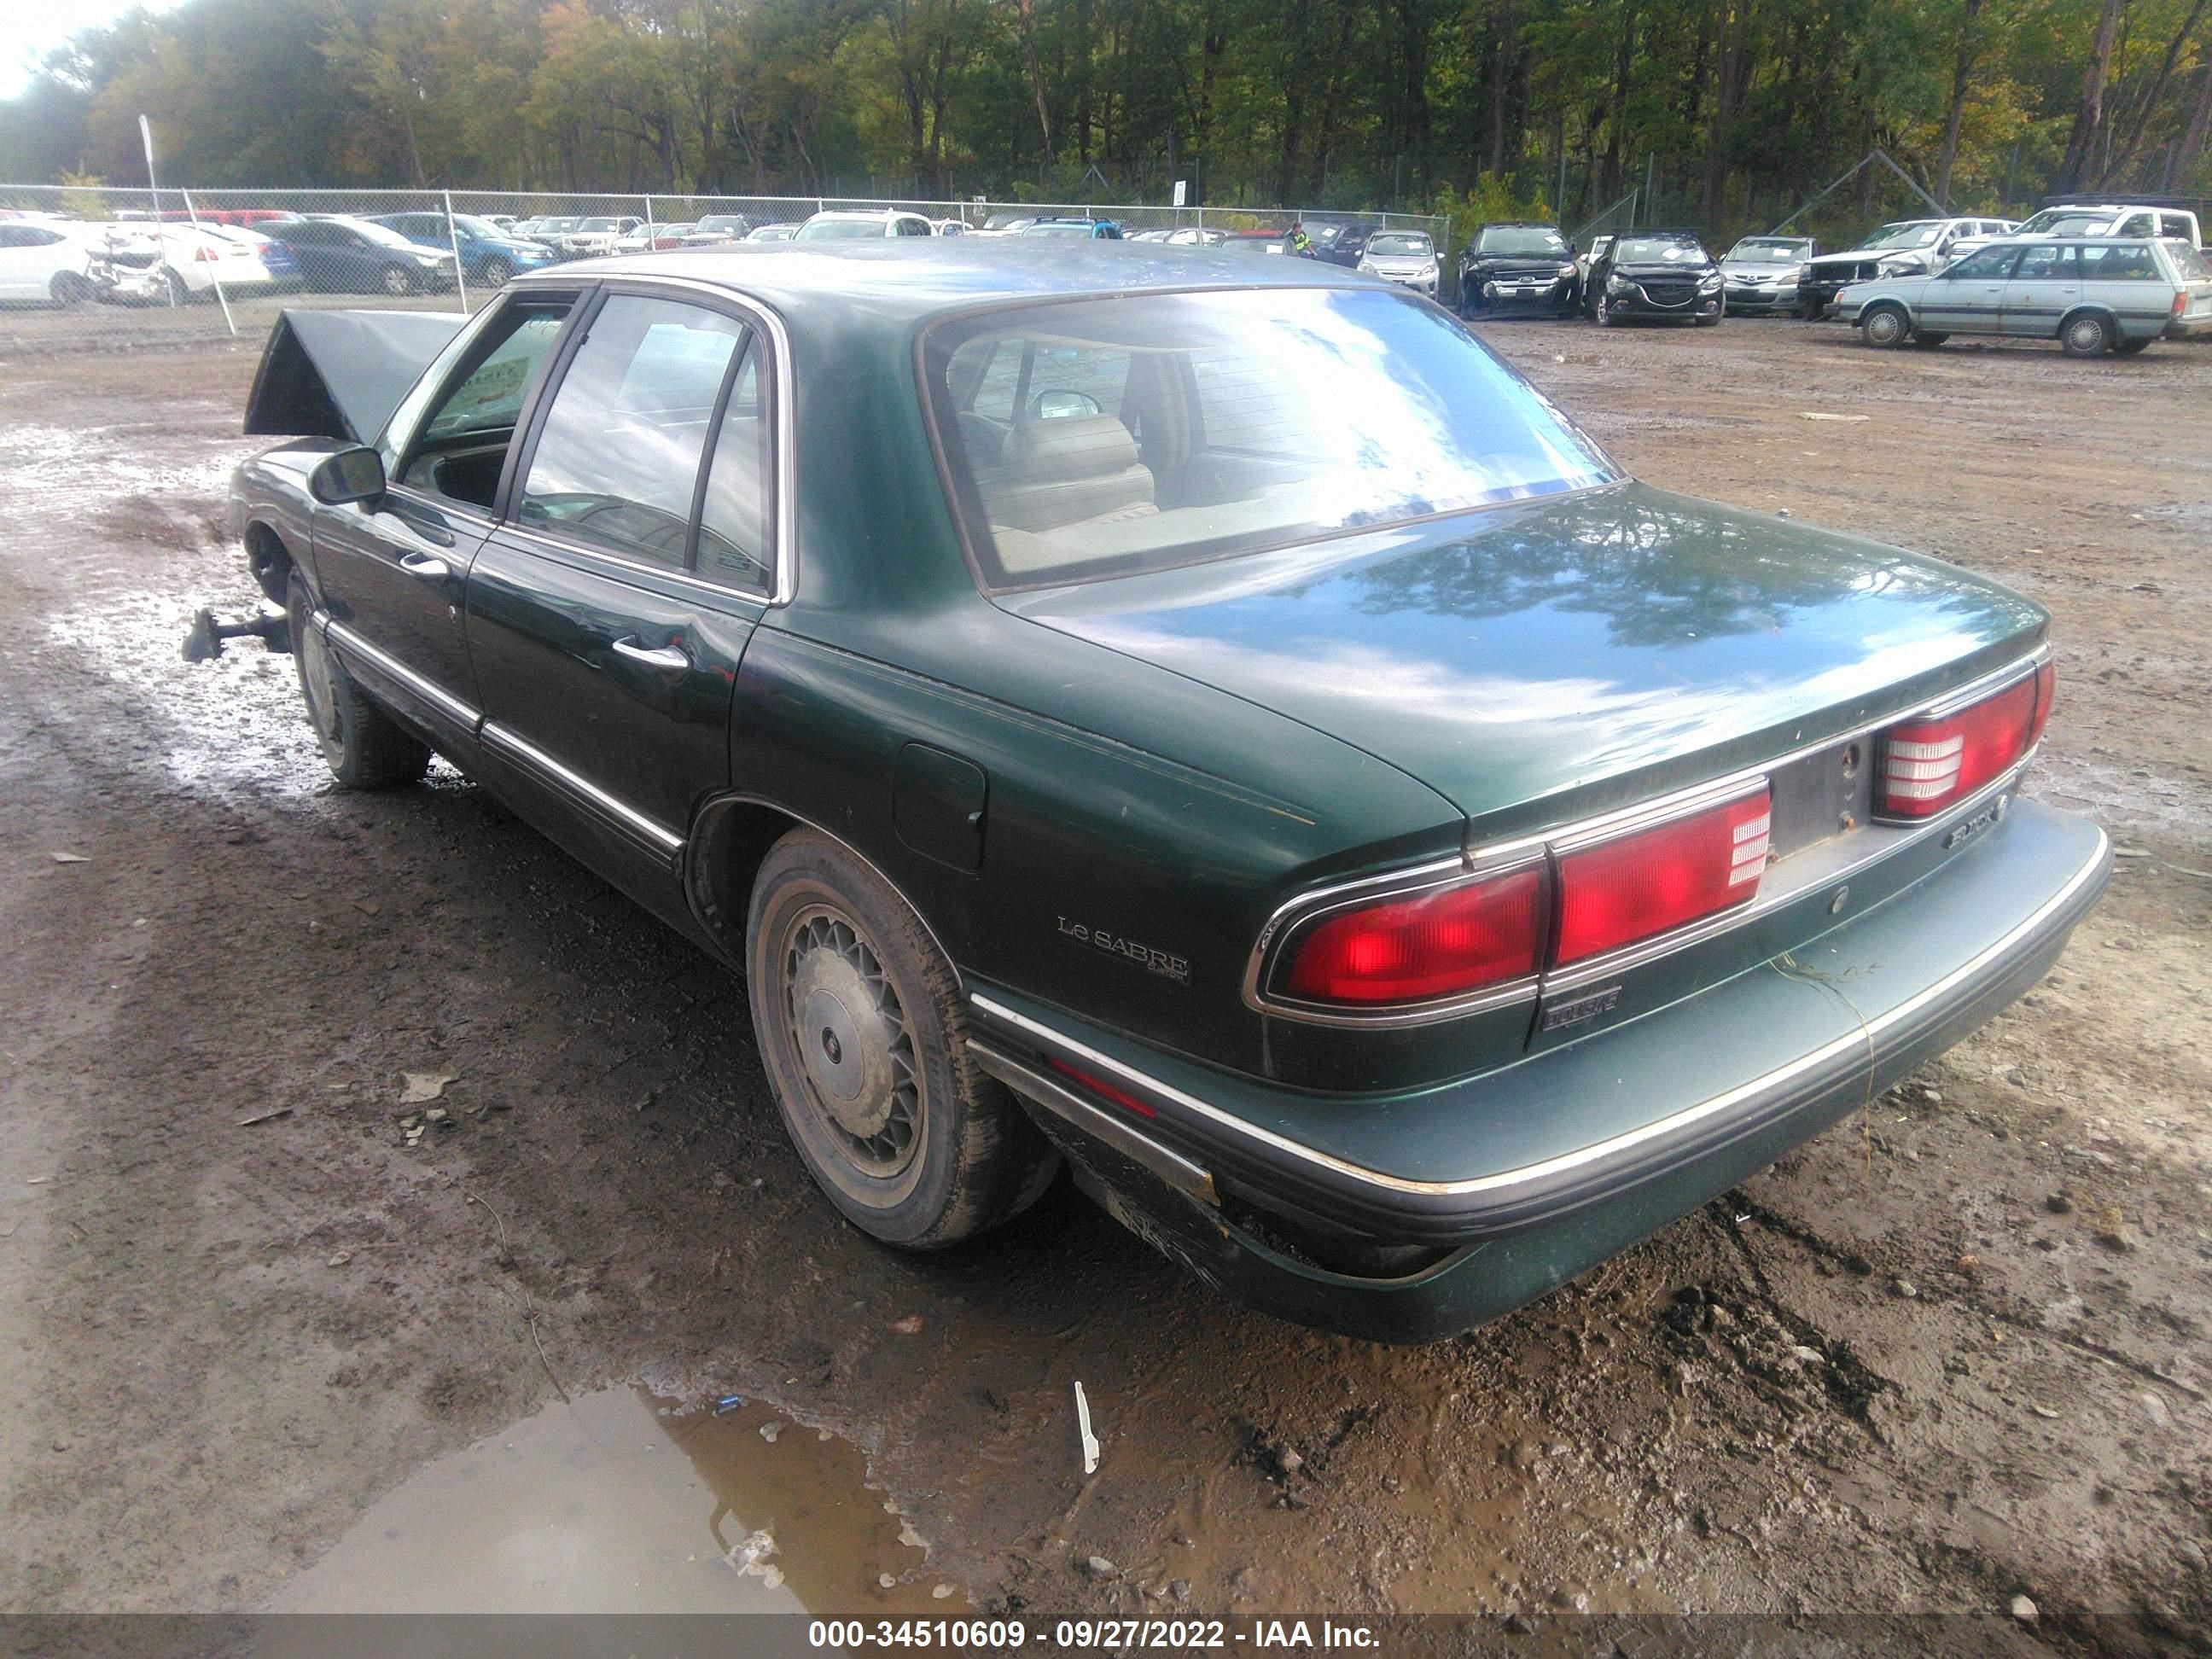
(1216, 727)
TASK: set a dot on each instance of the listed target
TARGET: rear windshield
(1093, 438)
(1768, 251)
(841, 230)
(2193, 265)
(1523, 239)
(1918, 233)
(1671, 250)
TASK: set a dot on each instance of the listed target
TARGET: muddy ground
(1950, 1352)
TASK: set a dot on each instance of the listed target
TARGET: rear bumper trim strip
(1616, 1146)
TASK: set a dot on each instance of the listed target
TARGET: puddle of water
(622, 1502)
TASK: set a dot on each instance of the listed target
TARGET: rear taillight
(1656, 880)
(2180, 300)
(1437, 945)
(1928, 763)
(206, 256)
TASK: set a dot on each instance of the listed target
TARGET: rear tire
(69, 291)
(864, 1040)
(364, 747)
(2087, 335)
(2130, 348)
(1930, 340)
(1885, 327)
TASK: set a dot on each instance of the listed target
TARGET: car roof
(911, 281)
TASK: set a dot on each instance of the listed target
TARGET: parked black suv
(1656, 274)
(1517, 265)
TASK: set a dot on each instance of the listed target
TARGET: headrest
(1073, 447)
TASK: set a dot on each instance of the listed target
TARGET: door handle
(669, 656)
(422, 565)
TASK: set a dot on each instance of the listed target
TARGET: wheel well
(727, 843)
(269, 559)
(1874, 307)
(2111, 323)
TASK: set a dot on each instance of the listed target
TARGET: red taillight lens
(1100, 1087)
(1656, 880)
(1926, 764)
(1413, 950)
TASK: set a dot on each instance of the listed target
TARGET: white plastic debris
(749, 1555)
(1083, 1427)
(424, 1085)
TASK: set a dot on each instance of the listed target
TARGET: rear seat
(1055, 474)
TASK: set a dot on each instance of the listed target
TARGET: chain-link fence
(98, 266)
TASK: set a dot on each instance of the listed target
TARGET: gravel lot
(1952, 1353)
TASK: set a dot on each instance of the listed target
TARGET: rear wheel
(69, 291)
(364, 747)
(1885, 326)
(864, 1038)
(174, 289)
(2129, 347)
(396, 280)
(1926, 339)
(2087, 335)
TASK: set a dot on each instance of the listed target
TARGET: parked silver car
(1762, 273)
(2091, 294)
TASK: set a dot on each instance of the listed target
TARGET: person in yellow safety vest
(1301, 244)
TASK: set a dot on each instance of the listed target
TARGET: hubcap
(849, 1033)
(2085, 334)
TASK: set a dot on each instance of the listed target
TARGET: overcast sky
(29, 29)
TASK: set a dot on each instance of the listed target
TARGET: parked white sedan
(44, 260)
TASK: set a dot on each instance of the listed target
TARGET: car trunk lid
(1551, 659)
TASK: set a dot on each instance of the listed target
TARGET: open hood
(341, 374)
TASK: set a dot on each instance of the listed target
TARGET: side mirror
(351, 475)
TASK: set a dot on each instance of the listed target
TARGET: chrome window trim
(670, 573)
(1496, 857)
(1861, 1038)
(474, 518)
(519, 747)
(339, 635)
(786, 562)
